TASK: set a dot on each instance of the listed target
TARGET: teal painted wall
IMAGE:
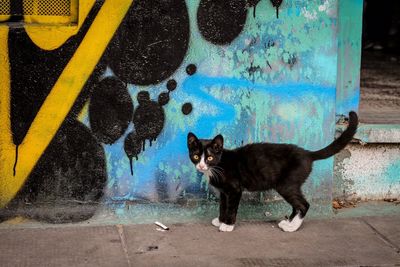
(349, 56)
(275, 82)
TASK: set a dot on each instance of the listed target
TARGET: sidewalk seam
(121, 234)
(383, 237)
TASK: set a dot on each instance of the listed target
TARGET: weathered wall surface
(99, 113)
(349, 56)
(369, 172)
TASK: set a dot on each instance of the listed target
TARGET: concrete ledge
(369, 168)
(374, 133)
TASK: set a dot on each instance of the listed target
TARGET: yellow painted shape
(5, 123)
(59, 102)
(49, 37)
(4, 17)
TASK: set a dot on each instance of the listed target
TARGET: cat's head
(205, 154)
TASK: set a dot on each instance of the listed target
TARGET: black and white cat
(260, 167)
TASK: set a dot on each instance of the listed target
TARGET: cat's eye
(196, 157)
(210, 158)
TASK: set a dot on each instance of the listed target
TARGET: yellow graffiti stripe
(58, 103)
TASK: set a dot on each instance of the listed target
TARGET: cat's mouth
(202, 169)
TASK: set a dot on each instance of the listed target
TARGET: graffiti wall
(99, 112)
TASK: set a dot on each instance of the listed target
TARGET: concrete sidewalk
(367, 241)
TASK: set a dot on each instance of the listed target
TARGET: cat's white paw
(226, 227)
(292, 226)
(283, 223)
(216, 222)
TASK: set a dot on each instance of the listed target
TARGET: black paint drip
(16, 160)
(149, 119)
(276, 4)
(131, 165)
(253, 3)
(132, 147)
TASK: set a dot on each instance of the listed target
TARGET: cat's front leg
(233, 200)
(222, 211)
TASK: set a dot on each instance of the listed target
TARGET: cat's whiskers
(217, 171)
(218, 167)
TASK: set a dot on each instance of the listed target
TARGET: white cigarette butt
(161, 225)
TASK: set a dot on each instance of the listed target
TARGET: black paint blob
(163, 98)
(110, 110)
(187, 108)
(148, 118)
(72, 169)
(276, 4)
(171, 85)
(221, 21)
(191, 69)
(151, 32)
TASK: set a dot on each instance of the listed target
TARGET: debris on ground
(338, 204)
(162, 226)
(392, 200)
(342, 203)
(151, 248)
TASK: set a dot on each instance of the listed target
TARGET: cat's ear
(218, 143)
(191, 139)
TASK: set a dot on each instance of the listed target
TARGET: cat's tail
(340, 142)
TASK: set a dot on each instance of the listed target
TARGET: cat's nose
(203, 166)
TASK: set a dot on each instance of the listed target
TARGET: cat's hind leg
(300, 208)
(222, 226)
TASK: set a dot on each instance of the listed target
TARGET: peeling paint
(371, 172)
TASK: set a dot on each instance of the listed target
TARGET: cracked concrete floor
(367, 241)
